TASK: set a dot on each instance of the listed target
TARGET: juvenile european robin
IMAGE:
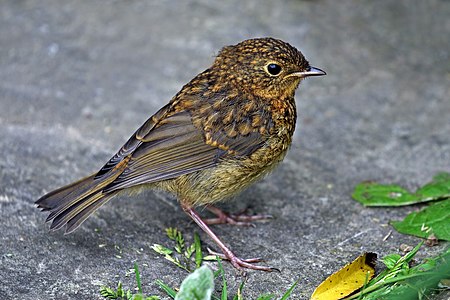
(225, 129)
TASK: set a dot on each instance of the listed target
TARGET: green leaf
(128, 295)
(403, 282)
(169, 291)
(374, 194)
(120, 291)
(176, 235)
(138, 277)
(160, 249)
(438, 187)
(238, 296)
(224, 295)
(289, 291)
(434, 219)
(108, 292)
(391, 260)
(189, 251)
(198, 250)
(197, 286)
(425, 282)
(172, 233)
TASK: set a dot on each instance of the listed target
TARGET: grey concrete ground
(78, 77)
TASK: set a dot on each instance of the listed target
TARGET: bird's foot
(239, 219)
(241, 264)
(238, 263)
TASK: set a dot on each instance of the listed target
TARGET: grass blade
(198, 250)
(169, 291)
(138, 277)
(289, 291)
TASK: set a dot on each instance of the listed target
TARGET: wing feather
(171, 144)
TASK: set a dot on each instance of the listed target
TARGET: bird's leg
(240, 218)
(237, 262)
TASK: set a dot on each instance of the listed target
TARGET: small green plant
(400, 280)
(120, 293)
(181, 255)
(199, 285)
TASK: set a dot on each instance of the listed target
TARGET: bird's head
(266, 67)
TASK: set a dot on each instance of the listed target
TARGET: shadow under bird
(225, 129)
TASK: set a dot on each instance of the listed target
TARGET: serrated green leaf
(197, 286)
(189, 251)
(180, 243)
(176, 235)
(434, 219)
(120, 292)
(172, 233)
(374, 194)
(108, 292)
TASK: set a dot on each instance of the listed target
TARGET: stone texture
(78, 77)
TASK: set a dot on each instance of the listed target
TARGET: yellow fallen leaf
(348, 279)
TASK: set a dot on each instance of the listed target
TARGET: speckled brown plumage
(225, 129)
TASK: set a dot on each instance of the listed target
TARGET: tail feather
(64, 216)
(71, 205)
(77, 220)
(56, 198)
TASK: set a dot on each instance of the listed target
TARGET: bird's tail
(74, 203)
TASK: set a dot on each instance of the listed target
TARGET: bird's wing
(133, 142)
(169, 145)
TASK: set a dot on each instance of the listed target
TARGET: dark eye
(273, 69)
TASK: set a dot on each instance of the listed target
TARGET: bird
(224, 130)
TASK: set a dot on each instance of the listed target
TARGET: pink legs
(237, 262)
(239, 219)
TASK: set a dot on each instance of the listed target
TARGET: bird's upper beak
(311, 71)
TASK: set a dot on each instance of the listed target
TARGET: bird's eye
(273, 69)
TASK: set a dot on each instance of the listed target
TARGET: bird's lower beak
(310, 72)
